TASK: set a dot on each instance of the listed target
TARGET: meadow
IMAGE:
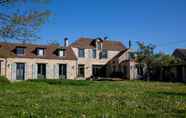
(92, 99)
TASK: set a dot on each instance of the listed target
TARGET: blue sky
(160, 22)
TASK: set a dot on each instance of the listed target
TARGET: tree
(19, 25)
(144, 55)
(151, 64)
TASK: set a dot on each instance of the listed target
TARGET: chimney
(65, 42)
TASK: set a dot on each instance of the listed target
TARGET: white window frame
(40, 52)
(61, 53)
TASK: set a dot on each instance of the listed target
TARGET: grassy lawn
(89, 99)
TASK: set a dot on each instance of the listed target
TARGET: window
(61, 53)
(81, 70)
(99, 46)
(20, 71)
(41, 72)
(94, 53)
(62, 71)
(40, 52)
(20, 51)
(104, 54)
(81, 52)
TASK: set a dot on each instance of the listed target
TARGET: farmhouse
(80, 60)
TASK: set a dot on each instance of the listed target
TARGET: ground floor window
(20, 71)
(41, 72)
(62, 71)
(96, 69)
(81, 70)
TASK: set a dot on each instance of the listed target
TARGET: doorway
(62, 71)
(20, 71)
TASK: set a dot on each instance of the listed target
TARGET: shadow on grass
(172, 94)
(63, 82)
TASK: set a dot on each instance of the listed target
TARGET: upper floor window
(99, 46)
(104, 54)
(40, 52)
(81, 52)
(61, 53)
(94, 53)
(20, 51)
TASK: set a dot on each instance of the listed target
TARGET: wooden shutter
(13, 71)
(48, 71)
(34, 71)
(26, 71)
(56, 71)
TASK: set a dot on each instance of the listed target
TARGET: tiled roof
(30, 51)
(107, 44)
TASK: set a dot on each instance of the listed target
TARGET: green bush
(4, 80)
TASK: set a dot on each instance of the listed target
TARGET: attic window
(61, 52)
(20, 51)
(40, 52)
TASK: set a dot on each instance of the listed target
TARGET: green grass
(92, 99)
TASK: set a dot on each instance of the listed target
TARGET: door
(20, 71)
(41, 72)
(81, 70)
(62, 71)
(96, 69)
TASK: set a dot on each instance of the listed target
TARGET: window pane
(94, 53)
(103, 54)
(40, 52)
(20, 71)
(61, 53)
(41, 71)
(81, 70)
(81, 52)
(19, 51)
(62, 71)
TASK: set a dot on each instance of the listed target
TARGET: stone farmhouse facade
(80, 60)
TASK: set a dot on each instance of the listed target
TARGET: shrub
(4, 80)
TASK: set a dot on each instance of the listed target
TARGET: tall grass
(4, 80)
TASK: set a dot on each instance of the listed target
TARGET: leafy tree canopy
(19, 23)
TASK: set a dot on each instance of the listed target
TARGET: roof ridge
(29, 44)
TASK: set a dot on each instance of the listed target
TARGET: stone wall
(29, 64)
(89, 61)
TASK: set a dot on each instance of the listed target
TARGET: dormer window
(61, 52)
(99, 44)
(40, 52)
(20, 51)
